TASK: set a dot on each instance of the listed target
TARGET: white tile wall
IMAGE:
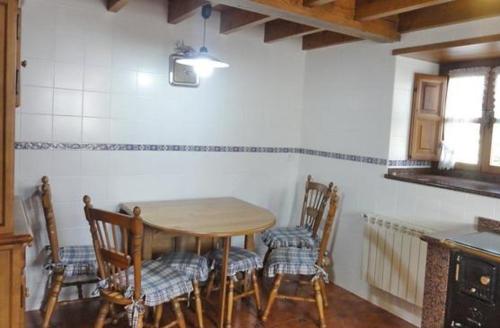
(98, 77)
(94, 76)
(357, 98)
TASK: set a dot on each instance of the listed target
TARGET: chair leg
(323, 292)
(230, 301)
(80, 291)
(266, 257)
(210, 285)
(101, 317)
(158, 314)
(197, 301)
(272, 296)
(140, 320)
(114, 315)
(256, 291)
(178, 314)
(57, 281)
(319, 303)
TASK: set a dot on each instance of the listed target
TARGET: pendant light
(202, 62)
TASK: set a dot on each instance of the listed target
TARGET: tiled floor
(344, 311)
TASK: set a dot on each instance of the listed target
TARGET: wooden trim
(179, 10)
(447, 45)
(334, 17)
(7, 112)
(234, 19)
(312, 3)
(455, 12)
(280, 29)
(116, 5)
(325, 39)
(369, 10)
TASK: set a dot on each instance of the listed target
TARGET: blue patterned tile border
(215, 148)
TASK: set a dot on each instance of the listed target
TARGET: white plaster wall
(357, 100)
(99, 77)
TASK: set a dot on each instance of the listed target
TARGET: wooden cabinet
(8, 66)
(14, 234)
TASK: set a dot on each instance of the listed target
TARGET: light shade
(203, 63)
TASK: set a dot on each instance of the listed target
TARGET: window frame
(486, 131)
(487, 135)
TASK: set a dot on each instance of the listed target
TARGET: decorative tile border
(215, 148)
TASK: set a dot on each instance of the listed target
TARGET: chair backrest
(327, 228)
(315, 199)
(50, 219)
(117, 240)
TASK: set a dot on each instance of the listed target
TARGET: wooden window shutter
(429, 97)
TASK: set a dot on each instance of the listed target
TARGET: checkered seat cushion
(76, 261)
(295, 261)
(192, 265)
(240, 260)
(288, 237)
(160, 283)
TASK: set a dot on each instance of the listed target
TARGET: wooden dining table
(167, 222)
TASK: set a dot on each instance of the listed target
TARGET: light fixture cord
(204, 32)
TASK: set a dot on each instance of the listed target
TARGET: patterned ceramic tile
(217, 148)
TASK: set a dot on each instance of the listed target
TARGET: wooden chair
(125, 279)
(68, 265)
(302, 262)
(243, 263)
(315, 199)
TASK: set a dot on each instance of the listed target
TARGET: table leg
(250, 242)
(223, 281)
(250, 245)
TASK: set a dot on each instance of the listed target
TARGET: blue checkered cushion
(240, 260)
(288, 237)
(192, 265)
(159, 284)
(76, 261)
(295, 261)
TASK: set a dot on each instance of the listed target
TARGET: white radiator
(394, 257)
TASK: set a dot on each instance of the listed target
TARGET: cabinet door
(8, 59)
(12, 286)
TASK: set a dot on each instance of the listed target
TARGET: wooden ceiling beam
(116, 5)
(280, 29)
(179, 10)
(312, 3)
(234, 19)
(332, 17)
(325, 39)
(455, 12)
(375, 9)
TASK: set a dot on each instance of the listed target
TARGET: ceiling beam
(312, 3)
(280, 29)
(234, 19)
(325, 39)
(455, 12)
(375, 9)
(332, 17)
(116, 5)
(179, 10)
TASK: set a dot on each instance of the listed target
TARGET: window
(471, 132)
(454, 121)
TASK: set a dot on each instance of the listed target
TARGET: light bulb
(203, 68)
